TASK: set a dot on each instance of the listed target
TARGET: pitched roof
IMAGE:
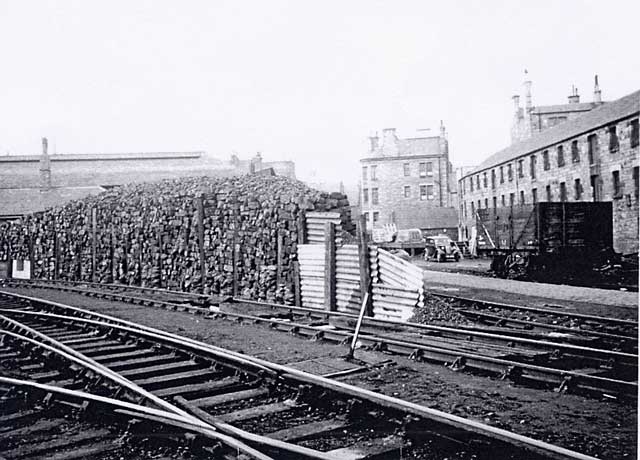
(607, 113)
(103, 156)
(571, 107)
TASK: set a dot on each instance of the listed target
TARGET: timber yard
(425, 303)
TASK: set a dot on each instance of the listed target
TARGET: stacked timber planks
(233, 235)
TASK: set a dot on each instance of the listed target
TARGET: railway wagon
(546, 238)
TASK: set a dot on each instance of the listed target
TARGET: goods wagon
(564, 238)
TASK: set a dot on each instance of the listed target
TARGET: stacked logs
(245, 229)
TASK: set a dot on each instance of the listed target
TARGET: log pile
(149, 234)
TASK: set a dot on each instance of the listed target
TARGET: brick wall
(622, 160)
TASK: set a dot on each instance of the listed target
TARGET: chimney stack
(45, 167)
(373, 142)
(574, 98)
(389, 142)
(597, 94)
(527, 91)
(516, 102)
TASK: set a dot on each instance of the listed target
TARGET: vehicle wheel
(441, 257)
(456, 257)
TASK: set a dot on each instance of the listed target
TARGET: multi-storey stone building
(592, 157)
(408, 182)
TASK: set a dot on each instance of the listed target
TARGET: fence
(331, 277)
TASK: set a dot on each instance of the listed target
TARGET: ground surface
(603, 428)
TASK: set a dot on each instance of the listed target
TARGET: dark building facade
(408, 182)
(591, 157)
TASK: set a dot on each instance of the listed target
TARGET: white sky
(299, 80)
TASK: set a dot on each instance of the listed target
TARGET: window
(423, 192)
(484, 179)
(376, 216)
(407, 191)
(548, 193)
(429, 169)
(545, 160)
(373, 172)
(366, 217)
(503, 201)
(577, 188)
(365, 195)
(635, 133)
(512, 199)
(560, 152)
(486, 203)
(364, 173)
(636, 181)
(430, 192)
(374, 195)
(563, 192)
(471, 183)
(407, 169)
(473, 209)
(613, 139)
(575, 152)
(532, 166)
(592, 140)
(520, 168)
(534, 195)
(493, 179)
(464, 209)
(422, 167)
(478, 181)
(617, 186)
(495, 202)
(502, 174)
(509, 172)
(479, 205)
(521, 197)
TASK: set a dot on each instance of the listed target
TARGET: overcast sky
(299, 80)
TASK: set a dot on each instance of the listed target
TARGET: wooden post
(280, 256)
(159, 237)
(365, 266)
(94, 224)
(203, 260)
(302, 229)
(296, 283)
(235, 266)
(329, 266)
(56, 250)
(112, 256)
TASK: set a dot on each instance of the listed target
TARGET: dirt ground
(604, 428)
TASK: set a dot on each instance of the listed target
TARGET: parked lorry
(389, 237)
(553, 239)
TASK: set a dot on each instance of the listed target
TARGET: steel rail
(91, 364)
(272, 443)
(463, 334)
(520, 441)
(549, 311)
(479, 362)
(142, 412)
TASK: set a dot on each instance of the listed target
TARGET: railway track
(528, 361)
(266, 406)
(544, 319)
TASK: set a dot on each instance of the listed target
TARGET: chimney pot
(597, 94)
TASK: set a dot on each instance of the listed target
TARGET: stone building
(591, 157)
(32, 183)
(408, 182)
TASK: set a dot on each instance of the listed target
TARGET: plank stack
(245, 229)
